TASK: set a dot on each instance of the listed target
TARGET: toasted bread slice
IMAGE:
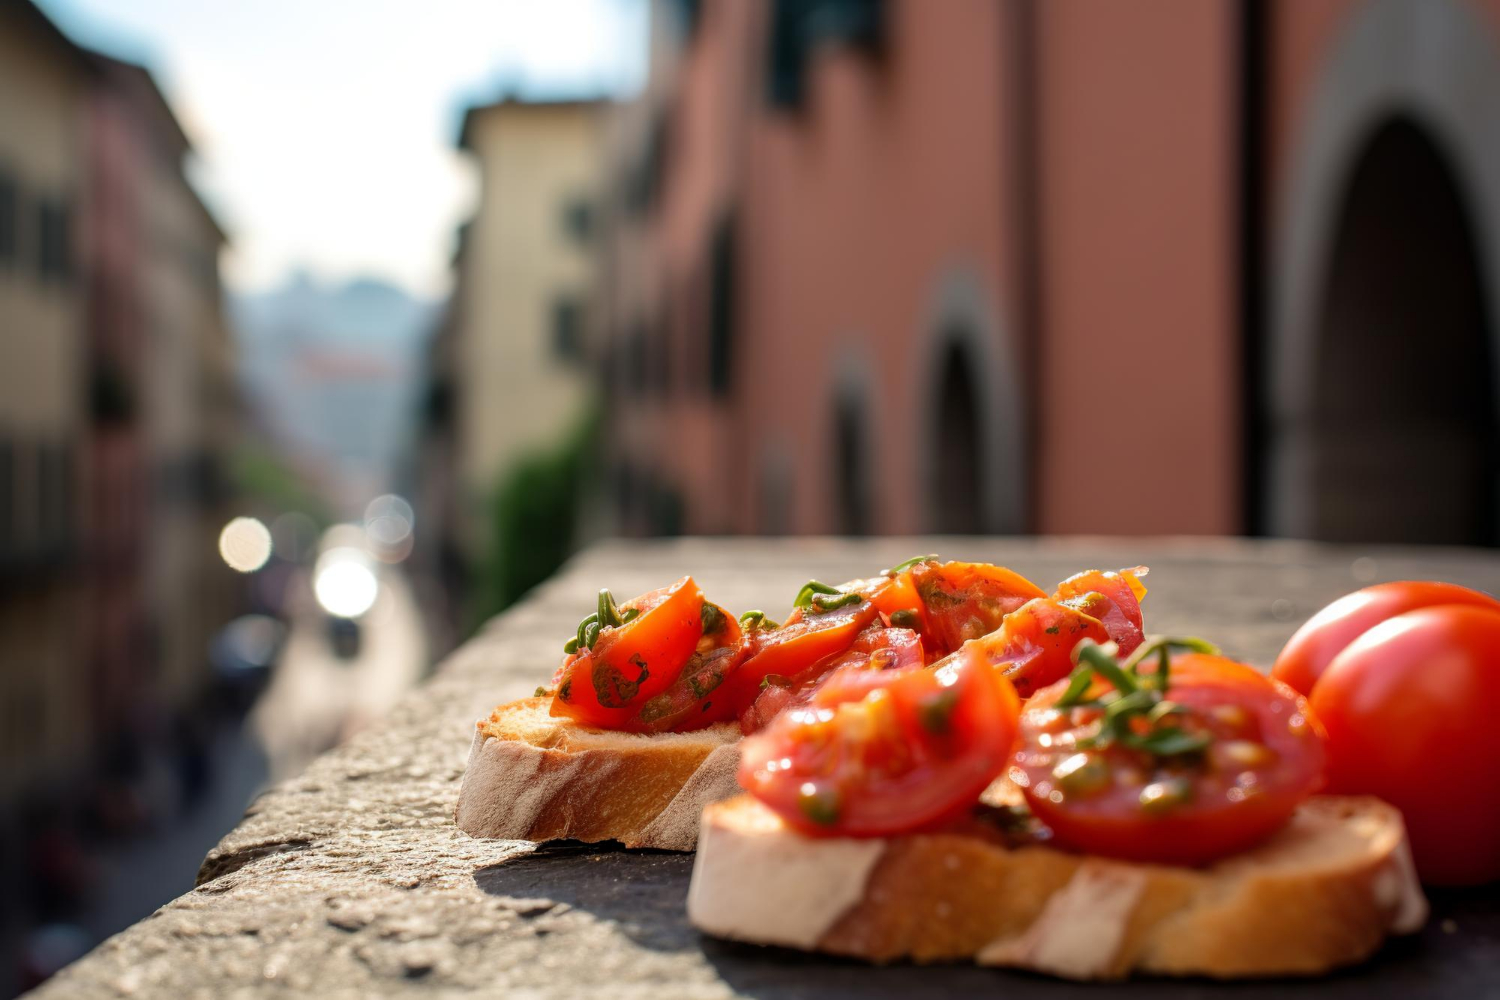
(1322, 892)
(534, 777)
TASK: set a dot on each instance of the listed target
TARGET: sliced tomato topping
(631, 662)
(914, 750)
(846, 676)
(1210, 766)
(1113, 598)
(964, 601)
(1034, 645)
(895, 597)
(795, 651)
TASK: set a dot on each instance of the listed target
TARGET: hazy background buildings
(336, 329)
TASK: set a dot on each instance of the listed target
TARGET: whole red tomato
(1408, 707)
(1326, 633)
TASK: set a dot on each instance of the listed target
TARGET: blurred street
(141, 874)
(317, 696)
(322, 690)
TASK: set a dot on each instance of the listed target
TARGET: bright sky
(325, 130)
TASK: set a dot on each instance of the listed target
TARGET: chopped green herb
(1079, 682)
(609, 612)
(935, 711)
(713, 618)
(1082, 774)
(583, 631)
(540, 692)
(611, 686)
(1170, 742)
(1135, 710)
(571, 646)
(1053, 630)
(907, 618)
(908, 564)
(810, 589)
(1161, 797)
(754, 620)
(819, 804)
(829, 602)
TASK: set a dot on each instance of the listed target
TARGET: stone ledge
(351, 880)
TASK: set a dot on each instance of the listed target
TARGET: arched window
(1401, 433)
(958, 473)
(852, 464)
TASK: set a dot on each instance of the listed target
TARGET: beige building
(184, 392)
(116, 400)
(511, 349)
(43, 88)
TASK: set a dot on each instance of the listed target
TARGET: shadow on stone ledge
(644, 892)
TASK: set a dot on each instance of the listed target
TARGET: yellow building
(43, 90)
(524, 268)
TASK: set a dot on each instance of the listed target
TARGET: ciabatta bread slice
(534, 777)
(1325, 891)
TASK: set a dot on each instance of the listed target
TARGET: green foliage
(268, 483)
(534, 514)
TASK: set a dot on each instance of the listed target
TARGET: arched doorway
(1402, 443)
(957, 485)
(1393, 176)
(970, 453)
(851, 465)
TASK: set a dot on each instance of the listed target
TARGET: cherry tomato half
(896, 598)
(847, 676)
(913, 752)
(964, 601)
(1113, 598)
(795, 651)
(693, 700)
(1220, 770)
(1408, 708)
(1033, 646)
(1324, 636)
(631, 663)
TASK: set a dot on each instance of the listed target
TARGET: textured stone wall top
(351, 880)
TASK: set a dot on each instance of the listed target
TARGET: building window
(54, 495)
(721, 306)
(851, 466)
(578, 220)
(7, 498)
(777, 482)
(10, 221)
(567, 328)
(958, 469)
(798, 27)
(689, 13)
(54, 246)
(646, 178)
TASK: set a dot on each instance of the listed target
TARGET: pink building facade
(1057, 267)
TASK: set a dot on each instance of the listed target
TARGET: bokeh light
(390, 527)
(245, 544)
(344, 582)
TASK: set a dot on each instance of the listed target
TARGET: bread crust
(534, 777)
(1322, 893)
